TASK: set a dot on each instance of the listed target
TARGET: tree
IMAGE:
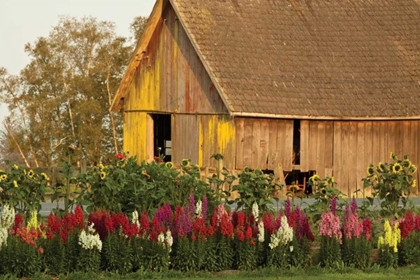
(60, 102)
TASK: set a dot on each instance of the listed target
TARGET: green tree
(62, 97)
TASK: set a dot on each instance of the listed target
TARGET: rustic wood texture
(264, 143)
(185, 138)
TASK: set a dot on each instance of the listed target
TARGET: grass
(312, 273)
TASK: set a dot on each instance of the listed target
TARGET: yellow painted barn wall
(135, 135)
(216, 135)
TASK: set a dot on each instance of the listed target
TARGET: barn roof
(305, 58)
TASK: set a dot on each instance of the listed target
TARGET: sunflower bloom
(370, 170)
(414, 183)
(103, 175)
(3, 177)
(185, 162)
(315, 177)
(169, 164)
(413, 168)
(45, 176)
(101, 166)
(396, 168)
(15, 184)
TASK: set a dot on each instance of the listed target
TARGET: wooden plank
(263, 144)
(345, 154)
(399, 127)
(240, 136)
(338, 164)
(361, 163)
(304, 145)
(281, 139)
(248, 137)
(382, 141)
(149, 138)
(256, 126)
(376, 154)
(288, 145)
(329, 143)
(368, 153)
(391, 136)
(406, 132)
(312, 145)
(352, 158)
(272, 144)
(320, 149)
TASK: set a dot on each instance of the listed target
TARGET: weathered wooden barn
(307, 86)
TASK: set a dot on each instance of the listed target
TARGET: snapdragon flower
(261, 231)
(90, 240)
(7, 217)
(283, 235)
(255, 211)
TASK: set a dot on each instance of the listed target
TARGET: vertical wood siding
(134, 135)
(185, 138)
(216, 135)
(353, 146)
(264, 143)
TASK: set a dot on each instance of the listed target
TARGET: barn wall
(345, 149)
(134, 135)
(264, 143)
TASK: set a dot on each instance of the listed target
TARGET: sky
(23, 21)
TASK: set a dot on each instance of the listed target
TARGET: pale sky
(23, 21)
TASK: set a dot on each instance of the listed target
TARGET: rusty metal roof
(307, 58)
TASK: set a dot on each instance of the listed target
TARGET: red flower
(120, 156)
(252, 242)
(240, 235)
(248, 233)
(40, 250)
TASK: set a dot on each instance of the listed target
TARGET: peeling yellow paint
(225, 134)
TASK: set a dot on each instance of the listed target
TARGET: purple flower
(164, 215)
(204, 207)
(333, 205)
(287, 208)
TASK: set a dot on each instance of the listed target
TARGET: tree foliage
(60, 101)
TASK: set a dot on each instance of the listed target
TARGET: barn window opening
(299, 180)
(296, 142)
(162, 141)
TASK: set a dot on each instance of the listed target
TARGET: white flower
(161, 238)
(198, 208)
(261, 231)
(283, 235)
(90, 241)
(255, 211)
(3, 237)
(7, 217)
(169, 240)
(291, 248)
(135, 219)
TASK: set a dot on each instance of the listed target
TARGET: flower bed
(198, 232)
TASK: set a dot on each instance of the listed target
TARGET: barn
(291, 86)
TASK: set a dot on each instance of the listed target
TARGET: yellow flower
(396, 168)
(31, 173)
(103, 175)
(3, 177)
(370, 170)
(15, 167)
(406, 163)
(15, 184)
(315, 177)
(414, 183)
(33, 222)
(169, 164)
(413, 168)
(45, 176)
(381, 167)
(101, 166)
(185, 162)
(392, 155)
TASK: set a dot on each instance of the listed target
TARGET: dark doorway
(162, 141)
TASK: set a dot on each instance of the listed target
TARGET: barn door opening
(162, 141)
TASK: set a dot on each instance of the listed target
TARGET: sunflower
(3, 177)
(185, 162)
(31, 173)
(45, 176)
(406, 163)
(396, 168)
(103, 175)
(381, 167)
(169, 164)
(15, 184)
(376, 179)
(15, 167)
(370, 170)
(392, 155)
(101, 166)
(314, 178)
(412, 168)
(414, 183)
